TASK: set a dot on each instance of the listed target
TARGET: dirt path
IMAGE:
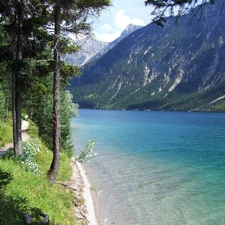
(25, 137)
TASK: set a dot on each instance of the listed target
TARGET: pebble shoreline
(84, 212)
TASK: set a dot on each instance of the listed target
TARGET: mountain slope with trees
(178, 67)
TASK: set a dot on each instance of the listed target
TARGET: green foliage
(200, 101)
(87, 154)
(26, 47)
(5, 133)
(42, 115)
(68, 110)
(68, 71)
(67, 46)
(174, 8)
(5, 97)
(27, 158)
(2, 103)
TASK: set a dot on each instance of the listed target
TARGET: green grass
(5, 133)
(32, 130)
(22, 191)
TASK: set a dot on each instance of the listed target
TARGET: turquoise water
(155, 168)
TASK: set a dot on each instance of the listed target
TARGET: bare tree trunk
(53, 171)
(14, 110)
(16, 85)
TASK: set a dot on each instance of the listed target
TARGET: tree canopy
(177, 8)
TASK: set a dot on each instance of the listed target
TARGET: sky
(115, 19)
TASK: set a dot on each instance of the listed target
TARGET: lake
(155, 168)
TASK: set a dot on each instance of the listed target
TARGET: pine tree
(70, 12)
(23, 22)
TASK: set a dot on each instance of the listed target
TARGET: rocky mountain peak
(130, 29)
(92, 49)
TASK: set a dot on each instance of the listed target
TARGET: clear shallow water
(155, 168)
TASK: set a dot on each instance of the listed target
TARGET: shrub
(87, 153)
(27, 158)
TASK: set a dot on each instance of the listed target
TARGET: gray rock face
(93, 49)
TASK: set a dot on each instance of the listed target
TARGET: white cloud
(106, 27)
(109, 33)
(137, 21)
(122, 20)
(114, 20)
(107, 37)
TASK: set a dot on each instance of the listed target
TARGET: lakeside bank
(82, 189)
(82, 201)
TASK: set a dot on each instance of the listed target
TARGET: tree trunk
(17, 135)
(14, 110)
(53, 171)
(7, 103)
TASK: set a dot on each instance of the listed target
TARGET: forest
(34, 38)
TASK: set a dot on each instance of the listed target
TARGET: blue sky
(115, 19)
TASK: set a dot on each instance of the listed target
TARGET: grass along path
(25, 137)
(69, 201)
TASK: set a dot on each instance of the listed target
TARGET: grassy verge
(23, 191)
(5, 133)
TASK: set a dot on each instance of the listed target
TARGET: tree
(70, 17)
(16, 94)
(2, 102)
(28, 25)
(4, 91)
(178, 8)
(24, 22)
(52, 173)
(5, 76)
(68, 111)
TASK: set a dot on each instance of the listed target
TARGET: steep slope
(128, 30)
(92, 49)
(180, 67)
(89, 47)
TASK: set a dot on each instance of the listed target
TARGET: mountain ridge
(126, 32)
(92, 49)
(175, 68)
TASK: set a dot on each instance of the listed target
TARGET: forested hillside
(27, 71)
(178, 67)
(33, 38)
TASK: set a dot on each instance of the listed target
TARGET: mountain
(93, 49)
(89, 47)
(128, 30)
(178, 67)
